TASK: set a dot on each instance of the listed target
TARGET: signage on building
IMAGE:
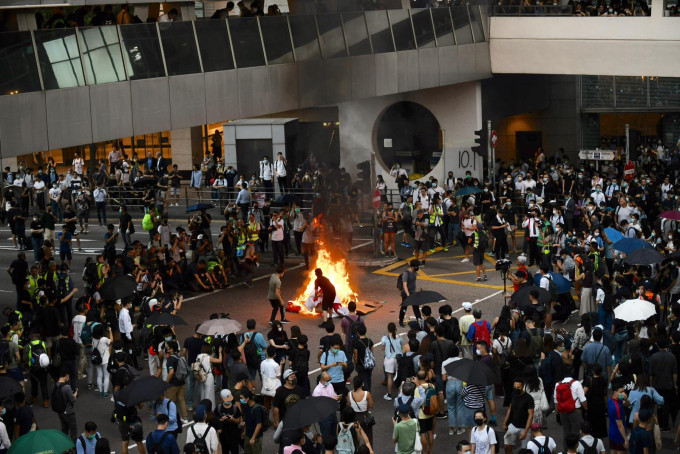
(597, 155)
(629, 171)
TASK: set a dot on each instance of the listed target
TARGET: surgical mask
(486, 189)
(479, 421)
(335, 351)
(89, 437)
(545, 180)
(517, 392)
(555, 213)
(597, 233)
(580, 176)
(293, 381)
(280, 328)
(434, 185)
(478, 352)
(508, 203)
(168, 339)
(599, 190)
(508, 180)
(622, 397)
(325, 383)
(398, 166)
(243, 401)
(226, 403)
(266, 161)
(297, 210)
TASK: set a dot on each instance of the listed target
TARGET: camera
(503, 265)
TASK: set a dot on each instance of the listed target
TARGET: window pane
(477, 26)
(276, 39)
(59, 58)
(305, 40)
(631, 91)
(357, 34)
(422, 24)
(443, 27)
(213, 43)
(379, 28)
(401, 29)
(142, 51)
(664, 92)
(330, 34)
(179, 48)
(102, 57)
(18, 70)
(245, 36)
(597, 92)
(461, 25)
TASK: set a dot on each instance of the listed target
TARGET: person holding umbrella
(408, 286)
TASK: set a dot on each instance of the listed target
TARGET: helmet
(44, 360)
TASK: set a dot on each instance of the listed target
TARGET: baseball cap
(648, 285)
(467, 306)
(536, 426)
(225, 394)
(598, 328)
(288, 373)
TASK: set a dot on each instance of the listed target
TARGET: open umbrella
(423, 297)
(470, 371)
(199, 207)
(9, 387)
(45, 441)
(521, 296)
(675, 215)
(165, 319)
(634, 310)
(467, 190)
(628, 245)
(561, 283)
(118, 287)
(674, 256)
(145, 181)
(219, 327)
(643, 257)
(142, 390)
(309, 411)
(287, 199)
(613, 234)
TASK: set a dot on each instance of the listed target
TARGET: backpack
(200, 444)
(405, 368)
(182, 368)
(252, 353)
(157, 448)
(5, 357)
(82, 441)
(608, 303)
(91, 275)
(411, 413)
(483, 240)
(369, 359)
(535, 341)
(199, 373)
(452, 329)
(57, 401)
(552, 289)
(545, 369)
(565, 400)
(592, 449)
(354, 328)
(56, 355)
(431, 403)
(266, 423)
(543, 449)
(96, 356)
(482, 332)
(147, 222)
(345, 440)
(400, 282)
(37, 350)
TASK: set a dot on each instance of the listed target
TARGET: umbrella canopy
(467, 190)
(562, 283)
(46, 441)
(219, 327)
(470, 371)
(309, 411)
(674, 256)
(9, 387)
(675, 215)
(613, 234)
(286, 199)
(199, 207)
(142, 390)
(118, 287)
(634, 310)
(423, 297)
(521, 296)
(165, 318)
(644, 257)
(145, 181)
(628, 245)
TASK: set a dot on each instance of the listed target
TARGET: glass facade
(75, 57)
(629, 93)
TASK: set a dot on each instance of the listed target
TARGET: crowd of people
(609, 382)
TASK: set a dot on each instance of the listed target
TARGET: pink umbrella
(675, 215)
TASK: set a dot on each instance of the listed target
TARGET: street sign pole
(627, 142)
(374, 177)
(488, 148)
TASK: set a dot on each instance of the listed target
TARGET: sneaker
(403, 244)
(407, 245)
(485, 278)
(387, 397)
(106, 395)
(284, 321)
(442, 415)
(190, 407)
(465, 260)
(478, 279)
(88, 386)
(492, 254)
(184, 421)
(451, 432)
(460, 430)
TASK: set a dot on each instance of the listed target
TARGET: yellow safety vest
(252, 232)
(32, 285)
(436, 212)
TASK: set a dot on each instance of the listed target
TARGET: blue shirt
(336, 372)
(167, 408)
(473, 328)
(65, 246)
(89, 444)
(634, 398)
(169, 445)
(243, 196)
(597, 352)
(616, 413)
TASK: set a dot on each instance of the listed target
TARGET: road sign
(376, 199)
(494, 138)
(629, 171)
(597, 155)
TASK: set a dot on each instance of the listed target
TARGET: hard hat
(44, 360)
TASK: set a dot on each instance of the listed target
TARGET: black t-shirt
(36, 226)
(286, 398)
(19, 271)
(229, 429)
(125, 220)
(48, 319)
(193, 346)
(68, 349)
(24, 418)
(71, 226)
(520, 410)
(326, 287)
(360, 346)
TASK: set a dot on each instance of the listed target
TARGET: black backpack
(57, 401)
(452, 329)
(250, 351)
(266, 423)
(411, 413)
(592, 449)
(354, 328)
(157, 448)
(200, 444)
(301, 362)
(543, 449)
(5, 357)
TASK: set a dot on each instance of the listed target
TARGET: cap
(404, 409)
(536, 426)
(225, 394)
(467, 306)
(288, 373)
(598, 327)
(152, 302)
(199, 237)
(120, 356)
(200, 413)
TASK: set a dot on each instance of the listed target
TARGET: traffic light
(480, 146)
(364, 176)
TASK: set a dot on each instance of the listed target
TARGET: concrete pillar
(10, 162)
(25, 20)
(186, 146)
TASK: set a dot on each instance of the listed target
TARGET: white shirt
(598, 197)
(541, 440)
(266, 170)
(424, 201)
(78, 322)
(100, 195)
(270, 368)
(467, 226)
(545, 283)
(588, 440)
(55, 193)
(483, 439)
(576, 391)
(599, 297)
(277, 235)
(520, 186)
(534, 227)
(200, 428)
(125, 323)
(78, 165)
(280, 167)
(102, 344)
(4, 439)
(446, 363)
(502, 347)
(39, 185)
(114, 155)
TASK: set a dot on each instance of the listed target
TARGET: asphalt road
(444, 273)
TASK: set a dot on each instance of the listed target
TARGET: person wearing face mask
(519, 417)
(325, 389)
(597, 196)
(87, 441)
(230, 417)
(482, 439)
(267, 174)
(5, 442)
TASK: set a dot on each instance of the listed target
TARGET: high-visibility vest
(437, 212)
(32, 285)
(253, 232)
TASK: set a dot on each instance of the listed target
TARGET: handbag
(418, 445)
(369, 421)
(269, 386)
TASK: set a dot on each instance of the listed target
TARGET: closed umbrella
(219, 327)
(470, 371)
(45, 441)
(643, 257)
(165, 319)
(628, 245)
(141, 390)
(118, 287)
(309, 411)
(423, 297)
(613, 234)
(634, 310)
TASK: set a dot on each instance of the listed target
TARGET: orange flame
(335, 270)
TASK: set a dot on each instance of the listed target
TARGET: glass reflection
(59, 58)
(402, 29)
(179, 48)
(245, 36)
(213, 43)
(142, 51)
(381, 34)
(422, 25)
(356, 33)
(443, 27)
(18, 69)
(276, 39)
(305, 39)
(330, 36)
(102, 57)
(461, 25)
(477, 26)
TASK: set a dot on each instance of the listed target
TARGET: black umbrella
(165, 318)
(309, 411)
(674, 256)
(644, 257)
(521, 296)
(199, 207)
(145, 181)
(118, 287)
(142, 390)
(423, 297)
(9, 387)
(470, 371)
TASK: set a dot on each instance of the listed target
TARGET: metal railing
(533, 10)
